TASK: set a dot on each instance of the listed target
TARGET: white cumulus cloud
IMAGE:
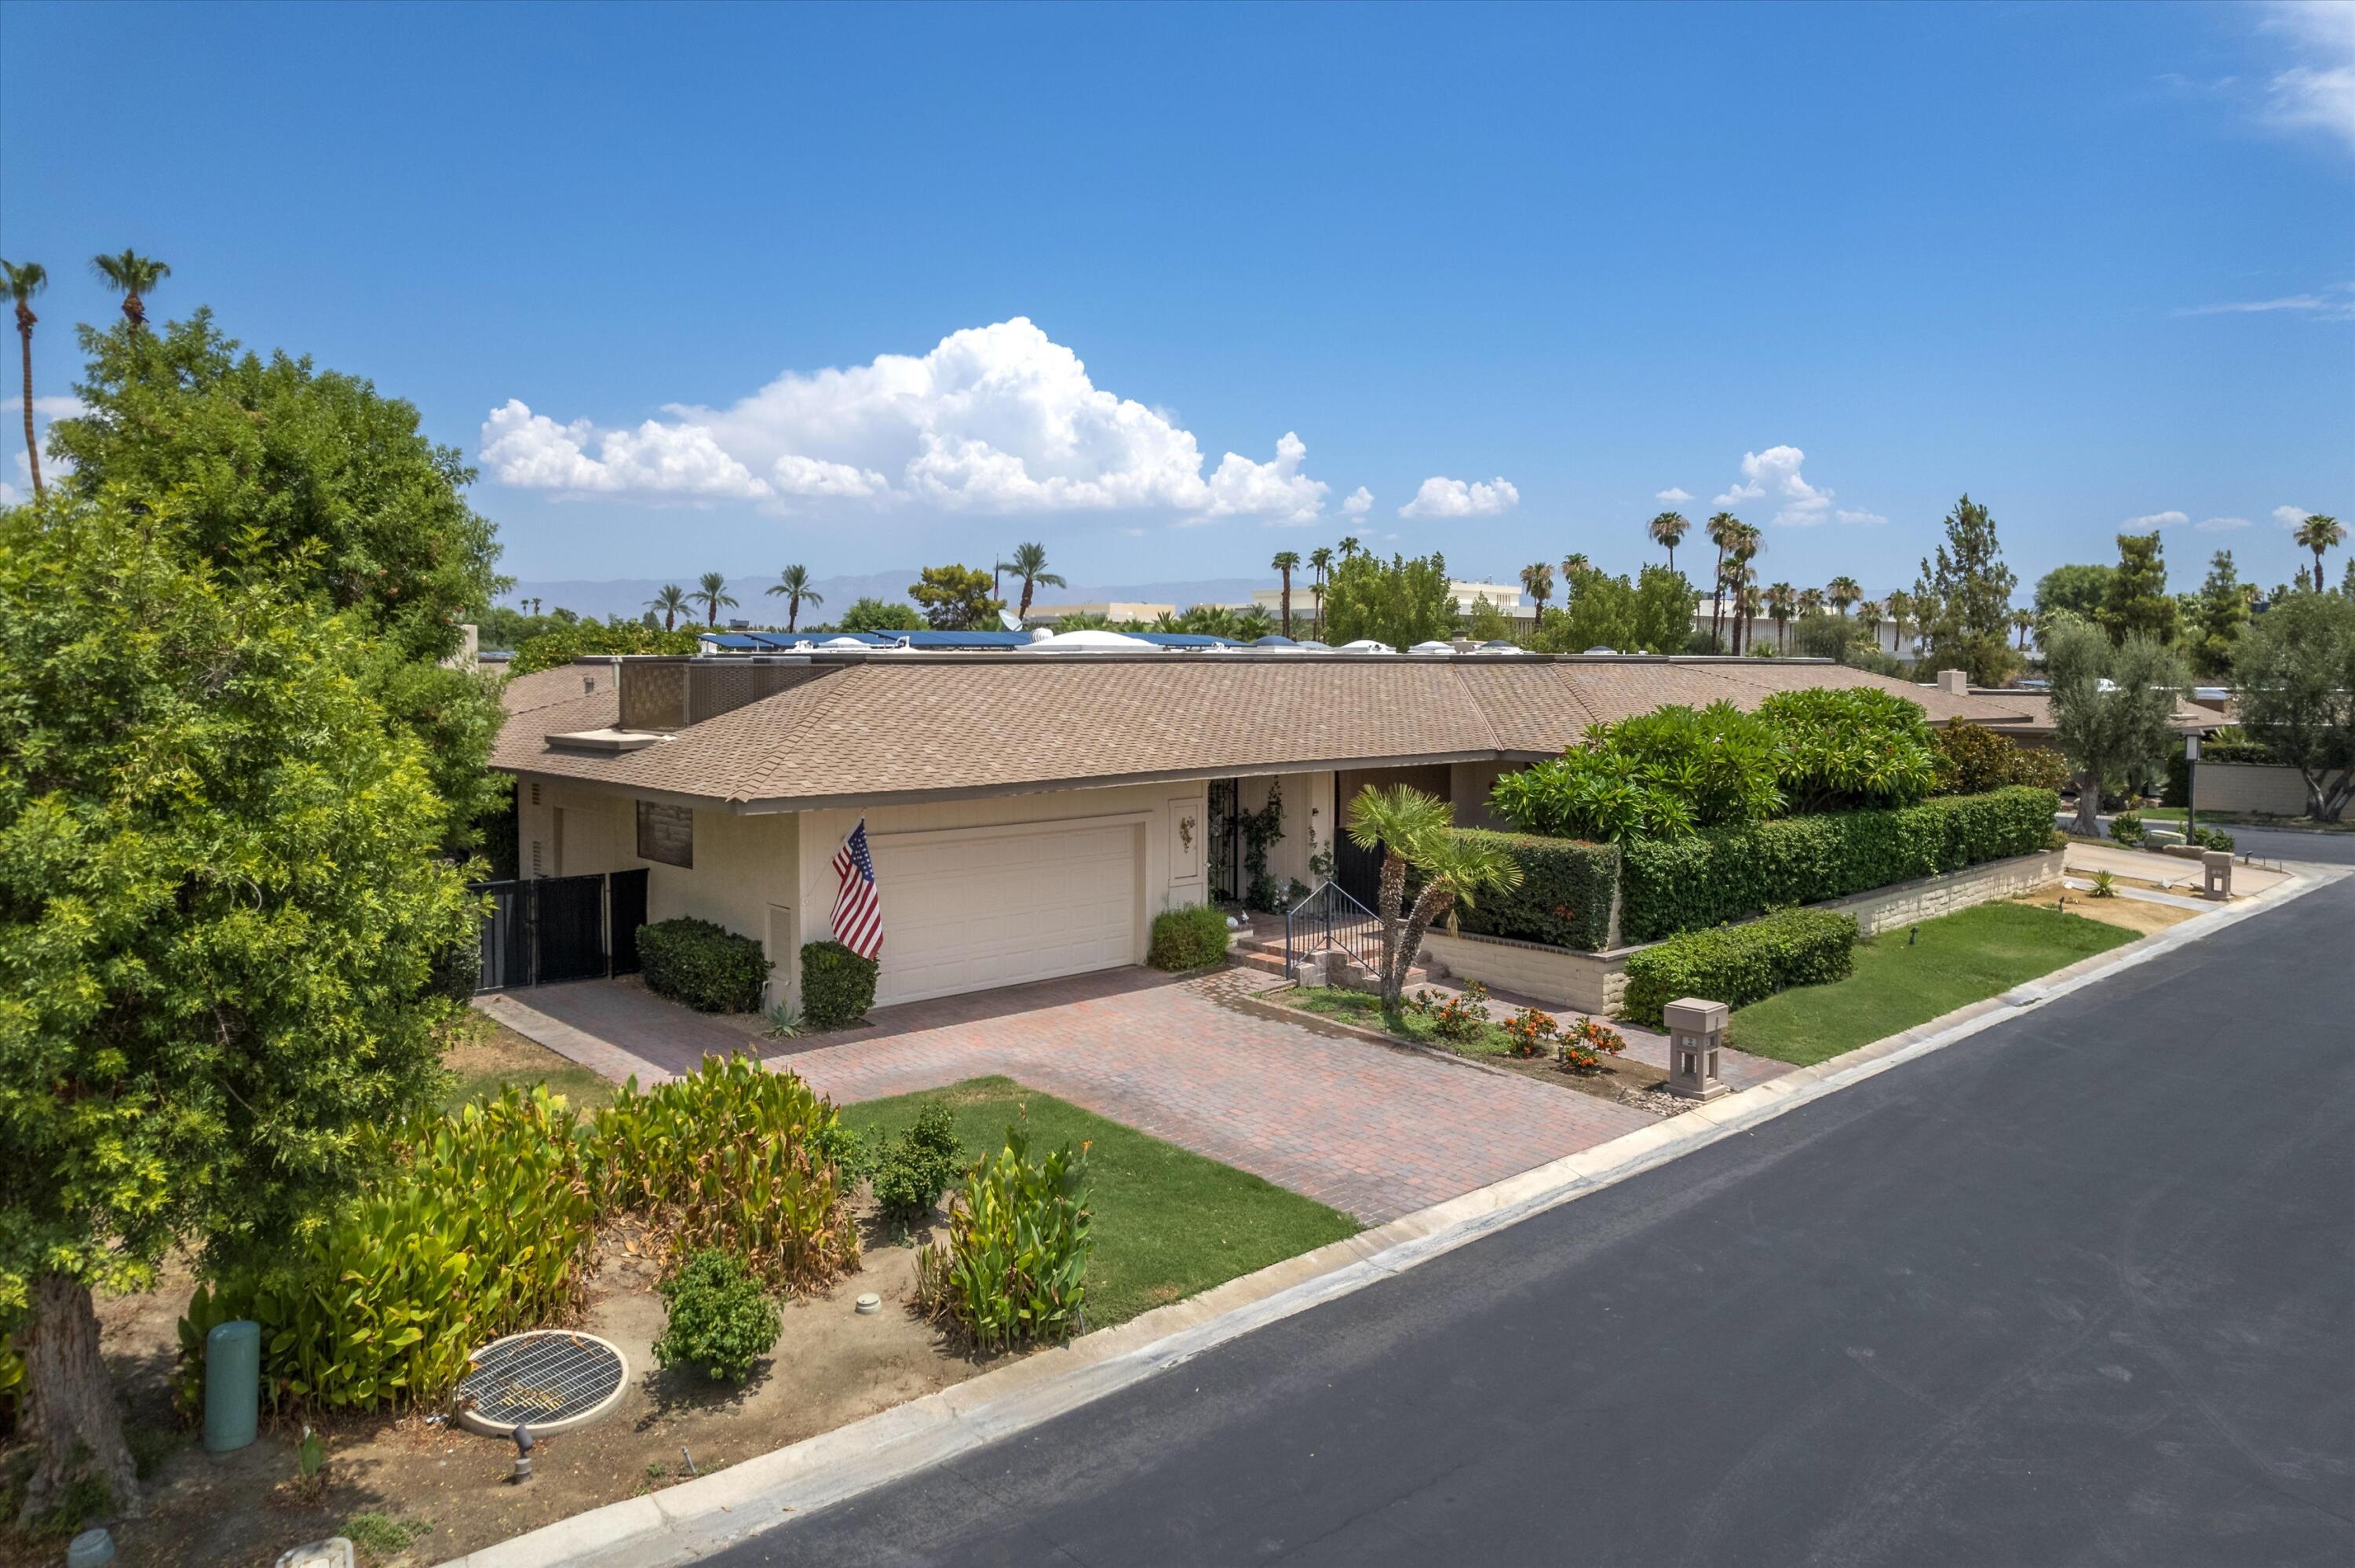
(1774, 475)
(1360, 502)
(2292, 517)
(2317, 93)
(995, 418)
(2219, 524)
(1675, 495)
(1443, 497)
(2170, 518)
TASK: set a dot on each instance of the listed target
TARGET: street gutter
(686, 1522)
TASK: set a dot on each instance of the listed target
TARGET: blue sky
(1517, 271)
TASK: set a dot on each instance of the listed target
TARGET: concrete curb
(697, 1518)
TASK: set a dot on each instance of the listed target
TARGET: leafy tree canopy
(957, 599)
(222, 912)
(564, 642)
(1651, 615)
(2296, 670)
(1401, 603)
(2137, 604)
(879, 615)
(2111, 704)
(2219, 616)
(2081, 590)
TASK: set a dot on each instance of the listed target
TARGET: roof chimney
(662, 692)
(1956, 683)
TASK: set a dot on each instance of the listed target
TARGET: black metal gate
(546, 930)
(1225, 846)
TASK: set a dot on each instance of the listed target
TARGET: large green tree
(879, 615)
(1401, 603)
(2296, 670)
(2220, 614)
(1965, 590)
(2081, 590)
(221, 915)
(957, 599)
(316, 479)
(2111, 704)
(2137, 604)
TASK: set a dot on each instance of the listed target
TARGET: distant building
(1506, 598)
(1118, 611)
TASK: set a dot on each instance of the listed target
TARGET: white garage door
(969, 911)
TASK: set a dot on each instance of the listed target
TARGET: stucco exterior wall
(2258, 787)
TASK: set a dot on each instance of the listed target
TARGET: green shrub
(1974, 759)
(1839, 749)
(2126, 827)
(563, 643)
(1737, 965)
(1193, 937)
(1565, 898)
(1015, 1268)
(708, 967)
(1658, 774)
(718, 1319)
(838, 985)
(1731, 874)
(2213, 838)
(911, 1174)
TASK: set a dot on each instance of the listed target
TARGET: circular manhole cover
(550, 1380)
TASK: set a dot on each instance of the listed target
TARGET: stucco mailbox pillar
(1696, 1033)
(2218, 864)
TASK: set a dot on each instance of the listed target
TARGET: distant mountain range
(628, 595)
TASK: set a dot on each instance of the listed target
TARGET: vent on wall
(535, 791)
(534, 857)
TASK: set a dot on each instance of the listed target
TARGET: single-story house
(1030, 814)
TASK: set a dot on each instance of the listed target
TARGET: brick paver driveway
(1374, 1132)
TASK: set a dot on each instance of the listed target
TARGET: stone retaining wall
(1595, 982)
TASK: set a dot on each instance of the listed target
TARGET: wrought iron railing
(1329, 918)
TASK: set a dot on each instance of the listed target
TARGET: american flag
(858, 916)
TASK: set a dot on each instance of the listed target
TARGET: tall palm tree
(1842, 592)
(671, 600)
(1747, 541)
(2021, 620)
(794, 583)
(1746, 605)
(1811, 599)
(1781, 602)
(1286, 562)
(1320, 561)
(1029, 564)
(24, 279)
(2318, 534)
(1867, 615)
(1414, 831)
(1722, 529)
(1537, 581)
(1349, 546)
(712, 593)
(133, 275)
(1900, 605)
(1670, 529)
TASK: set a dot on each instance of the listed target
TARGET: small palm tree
(1722, 529)
(1842, 592)
(1780, 604)
(1537, 581)
(133, 275)
(1811, 601)
(1414, 831)
(2318, 534)
(1286, 562)
(2021, 620)
(794, 583)
(671, 601)
(712, 594)
(1029, 564)
(24, 279)
(1670, 529)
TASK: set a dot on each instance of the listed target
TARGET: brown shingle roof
(914, 725)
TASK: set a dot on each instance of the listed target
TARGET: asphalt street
(2079, 1289)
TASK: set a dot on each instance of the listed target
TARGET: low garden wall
(1597, 982)
(2254, 788)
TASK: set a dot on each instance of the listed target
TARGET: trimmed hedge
(1723, 875)
(1565, 898)
(1737, 965)
(1193, 937)
(838, 985)
(707, 967)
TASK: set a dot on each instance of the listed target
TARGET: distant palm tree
(1811, 601)
(1722, 529)
(712, 593)
(794, 583)
(24, 279)
(1537, 581)
(2318, 534)
(133, 275)
(1842, 592)
(1320, 561)
(1867, 616)
(1780, 604)
(1746, 605)
(2021, 620)
(1669, 528)
(1029, 564)
(1286, 562)
(1349, 546)
(1747, 543)
(1900, 605)
(671, 601)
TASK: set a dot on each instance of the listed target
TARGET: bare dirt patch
(831, 1366)
(2131, 913)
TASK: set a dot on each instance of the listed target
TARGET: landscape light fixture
(522, 1471)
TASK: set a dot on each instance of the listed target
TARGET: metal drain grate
(548, 1379)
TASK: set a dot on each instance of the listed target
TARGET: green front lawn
(1168, 1224)
(2245, 819)
(1957, 960)
(485, 1057)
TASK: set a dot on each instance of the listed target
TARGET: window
(667, 833)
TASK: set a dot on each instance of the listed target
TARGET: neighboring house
(2035, 728)
(1030, 814)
